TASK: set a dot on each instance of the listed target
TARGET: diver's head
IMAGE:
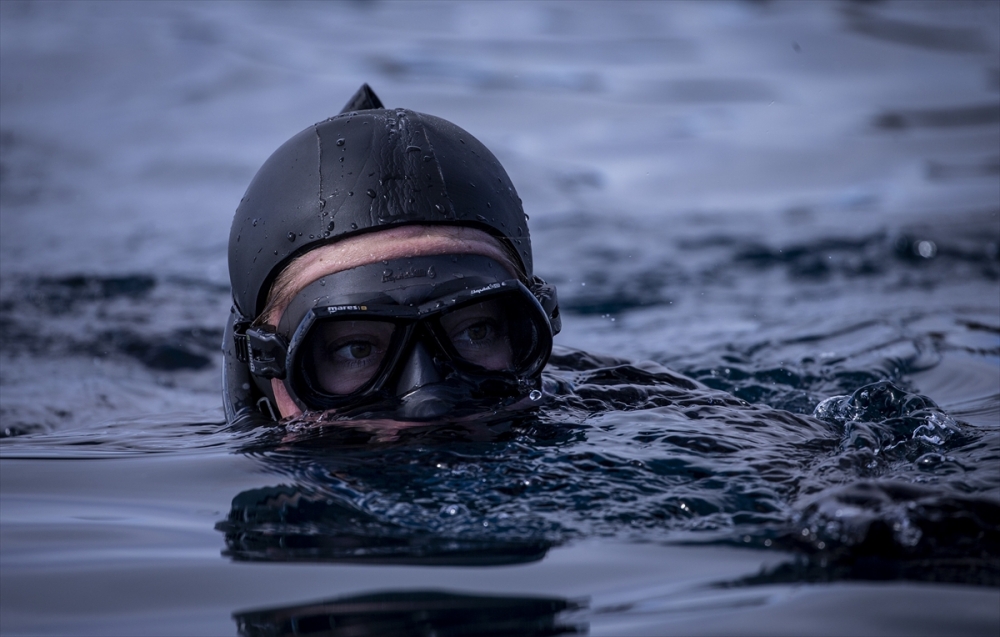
(381, 263)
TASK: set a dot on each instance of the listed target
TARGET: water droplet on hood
(370, 193)
(535, 395)
(340, 142)
(291, 236)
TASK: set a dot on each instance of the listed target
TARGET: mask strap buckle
(547, 298)
(266, 351)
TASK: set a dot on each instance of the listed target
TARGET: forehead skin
(395, 243)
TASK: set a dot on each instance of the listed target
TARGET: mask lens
(496, 335)
(345, 355)
(480, 335)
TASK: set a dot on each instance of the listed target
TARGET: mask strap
(240, 326)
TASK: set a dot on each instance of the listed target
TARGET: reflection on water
(299, 524)
(414, 613)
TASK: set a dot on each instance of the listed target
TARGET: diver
(381, 266)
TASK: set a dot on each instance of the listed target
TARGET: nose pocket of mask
(424, 404)
(418, 370)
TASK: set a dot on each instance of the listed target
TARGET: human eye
(479, 336)
(480, 332)
(347, 355)
(356, 344)
(355, 352)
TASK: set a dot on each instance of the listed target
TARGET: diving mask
(420, 338)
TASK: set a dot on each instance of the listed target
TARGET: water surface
(775, 228)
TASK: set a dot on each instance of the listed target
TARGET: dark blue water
(775, 229)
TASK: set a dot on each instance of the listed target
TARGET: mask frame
(412, 294)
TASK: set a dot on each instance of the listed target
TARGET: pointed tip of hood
(364, 99)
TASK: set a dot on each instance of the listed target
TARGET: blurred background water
(788, 201)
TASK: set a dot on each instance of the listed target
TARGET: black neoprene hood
(366, 169)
